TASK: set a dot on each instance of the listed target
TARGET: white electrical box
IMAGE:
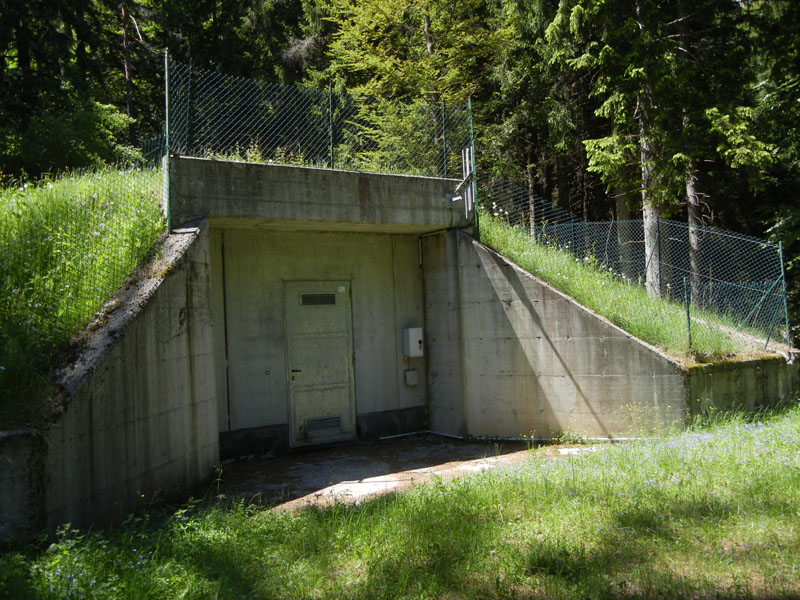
(412, 342)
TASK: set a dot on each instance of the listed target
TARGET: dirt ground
(349, 473)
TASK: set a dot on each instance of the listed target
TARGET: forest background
(611, 109)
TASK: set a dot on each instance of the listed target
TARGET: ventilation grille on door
(318, 299)
(317, 425)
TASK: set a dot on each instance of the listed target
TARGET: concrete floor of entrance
(324, 476)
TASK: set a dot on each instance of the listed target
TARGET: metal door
(320, 361)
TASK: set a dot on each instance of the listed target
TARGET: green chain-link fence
(216, 115)
(723, 279)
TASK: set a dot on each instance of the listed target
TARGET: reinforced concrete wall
(137, 413)
(741, 384)
(231, 193)
(140, 415)
(21, 483)
(510, 356)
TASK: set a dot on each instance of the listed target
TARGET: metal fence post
(474, 175)
(189, 115)
(167, 124)
(330, 120)
(687, 296)
(572, 237)
(444, 137)
(785, 301)
(658, 251)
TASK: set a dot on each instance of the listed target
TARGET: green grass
(65, 246)
(710, 513)
(657, 321)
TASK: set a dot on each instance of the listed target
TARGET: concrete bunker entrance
(311, 350)
(272, 227)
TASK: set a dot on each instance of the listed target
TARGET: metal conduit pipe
(505, 439)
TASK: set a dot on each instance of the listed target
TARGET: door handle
(297, 370)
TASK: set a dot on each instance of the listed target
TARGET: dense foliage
(604, 107)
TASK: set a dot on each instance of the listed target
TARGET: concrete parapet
(232, 194)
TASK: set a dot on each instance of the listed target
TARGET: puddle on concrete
(325, 476)
(348, 474)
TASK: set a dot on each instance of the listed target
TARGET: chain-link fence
(725, 281)
(216, 115)
(66, 244)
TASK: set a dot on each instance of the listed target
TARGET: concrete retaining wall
(510, 356)
(21, 482)
(138, 411)
(741, 385)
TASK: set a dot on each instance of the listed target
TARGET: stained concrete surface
(349, 474)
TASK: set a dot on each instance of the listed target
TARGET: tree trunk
(694, 212)
(547, 181)
(651, 215)
(426, 27)
(126, 52)
(530, 175)
(563, 184)
(27, 88)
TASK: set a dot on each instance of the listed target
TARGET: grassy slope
(709, 513)
(67, 244)
(626, 304)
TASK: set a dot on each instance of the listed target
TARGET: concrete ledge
(239, 194)
(746, 385)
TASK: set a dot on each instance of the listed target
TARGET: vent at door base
(326, 424)
(317, 299)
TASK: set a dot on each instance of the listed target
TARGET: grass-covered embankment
(65, 246)
(708, 513)
(657, 321)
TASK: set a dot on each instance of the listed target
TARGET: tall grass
(625, 303)
(66, 245)
(711, 513)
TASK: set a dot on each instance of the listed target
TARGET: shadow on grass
(446, 541)
(626, 557)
